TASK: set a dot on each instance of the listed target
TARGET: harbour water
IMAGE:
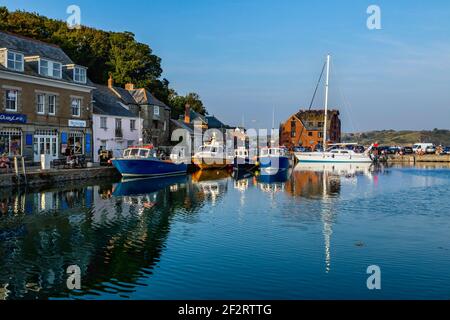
(310, 235)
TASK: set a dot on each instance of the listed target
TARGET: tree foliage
(102, 52)
(179, 103)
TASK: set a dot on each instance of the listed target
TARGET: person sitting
(4, 162)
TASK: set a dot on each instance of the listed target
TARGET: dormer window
(50, 68)
(79, 74)
(14, 61)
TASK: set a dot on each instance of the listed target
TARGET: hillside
(392, 137)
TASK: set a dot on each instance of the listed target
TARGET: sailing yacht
(336, 153)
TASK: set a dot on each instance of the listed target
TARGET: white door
(45, 144)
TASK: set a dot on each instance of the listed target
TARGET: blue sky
(246, 57)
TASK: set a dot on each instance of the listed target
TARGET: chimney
(129, 86)
(110, 81)
(187, 114)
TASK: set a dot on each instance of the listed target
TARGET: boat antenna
(325, 124)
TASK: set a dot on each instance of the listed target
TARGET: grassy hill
(393, 138)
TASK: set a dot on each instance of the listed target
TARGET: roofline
(31, 39)
(14, 75)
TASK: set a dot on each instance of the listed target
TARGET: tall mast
(325, 124)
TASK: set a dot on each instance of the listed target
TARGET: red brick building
(305, 128)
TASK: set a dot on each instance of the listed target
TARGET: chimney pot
(187, 114)
(110, 81)
(129, 86)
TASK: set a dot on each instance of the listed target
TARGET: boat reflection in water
(273, 183)
(211, 184)
(133, 187)
(323, 181)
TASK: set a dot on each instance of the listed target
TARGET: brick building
(305, 128)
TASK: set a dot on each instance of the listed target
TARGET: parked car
(446, 151)
(430, 150)
(393, 150)
(422, 147)
(407, 150)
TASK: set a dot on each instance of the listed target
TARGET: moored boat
(212, 156)
(143, 162)
(272, 160)
(242, 161)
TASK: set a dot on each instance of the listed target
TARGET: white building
(115, 128)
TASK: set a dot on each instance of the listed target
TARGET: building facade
(115, 127)
(46, 101)
(154, 113)
(305, 128)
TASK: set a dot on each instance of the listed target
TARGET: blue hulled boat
(273, 160)
(143, 162)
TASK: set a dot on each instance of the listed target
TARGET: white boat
(212, 155)
(336, 154)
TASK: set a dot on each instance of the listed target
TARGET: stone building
(46, 100)
(305, 128)
(154, 113)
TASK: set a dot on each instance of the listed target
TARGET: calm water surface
(310, 235)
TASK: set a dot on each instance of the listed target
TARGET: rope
(314, 95)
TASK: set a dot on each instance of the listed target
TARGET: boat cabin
(274, 152)
(139, 153)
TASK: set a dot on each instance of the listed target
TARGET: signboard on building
(13, 118)
(77, 123)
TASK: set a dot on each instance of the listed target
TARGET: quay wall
(417, 158)
(55, 176)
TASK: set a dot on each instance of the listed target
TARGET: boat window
(126, 153)
(143, 153)
(344, 152)
(334, 151)
(134, 152)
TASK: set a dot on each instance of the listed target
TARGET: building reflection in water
(112, 231)
(323, 182)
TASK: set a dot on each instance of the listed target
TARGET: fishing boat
(242, 161)
(212, 156)
(272, 160)
(337, 153)
(143, 162)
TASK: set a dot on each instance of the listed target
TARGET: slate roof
(214, 123)
(31, 47)
(182, 125)
(107, 103)
(143, 96)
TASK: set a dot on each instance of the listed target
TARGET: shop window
(11, 142)
(75, 142)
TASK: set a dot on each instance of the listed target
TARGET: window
(15, 61)
(11, 141)
(75, 142)
(43, 67)
(118, 130)
(103, 121)
(310, 134)
(57, 70)
(11, 100)
(132, 125)
(156, 110)
(79, 75)
(50, 69)
(52, 105)
(41, 104)
(76, 107)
